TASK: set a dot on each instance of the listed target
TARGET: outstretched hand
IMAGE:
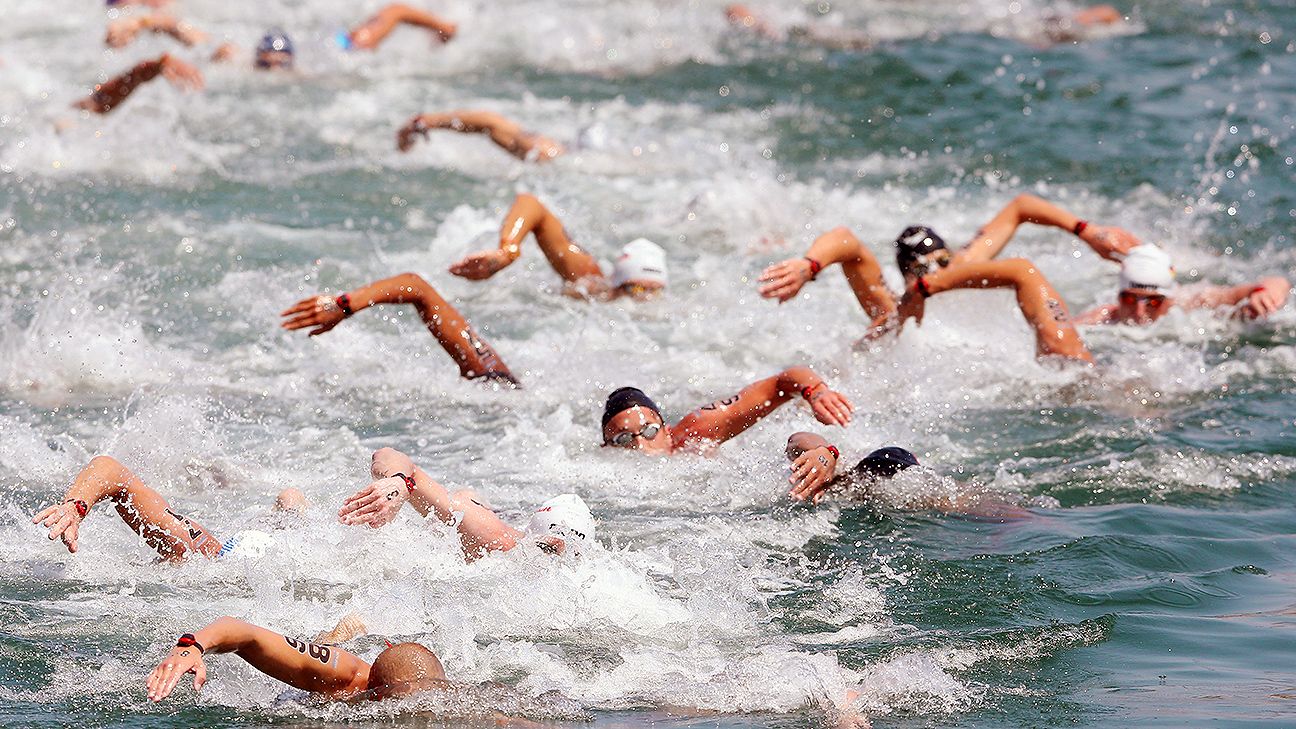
(831, 407)
(481, 265)
(63, 521)
(406, 135)
(181, 75)
(321, 312)
(376, 504)
(1261, 302)
(811, 473)
(1109, 241)
(182, 660)
(913, 305)
(783, 280)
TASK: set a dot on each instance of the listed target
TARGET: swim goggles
(626, 438)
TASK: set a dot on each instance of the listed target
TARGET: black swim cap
(915, 242)
(886, 462)
(623, 399)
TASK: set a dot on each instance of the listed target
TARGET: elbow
(106, 462)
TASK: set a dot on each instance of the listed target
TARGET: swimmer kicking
(562, 524)
(476, 359)
(505, 133)
(639, 272)
(632, 420)
(174, 536)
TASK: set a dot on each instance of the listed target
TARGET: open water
(144, 257)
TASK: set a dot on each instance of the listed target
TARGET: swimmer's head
(1145, 281)
(274, 51)
(920, 250)
(632, 420)
(562, 523)
(640, 270)
(403, 668)
(884, 463)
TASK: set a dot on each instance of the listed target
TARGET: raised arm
(370, 34)
(1039, 301)
(784, 280)
(1255, 300)
(123, 31)
(721, 420)
(110, 94)
(302, 665)
(480, 529)
(504, 132)
(470, 352)
(529, 216)
(814, 464)
(1109, 242)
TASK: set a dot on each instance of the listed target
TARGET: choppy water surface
(144, 258)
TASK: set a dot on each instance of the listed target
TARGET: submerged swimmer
(370, 34)
(174, 536)
(1146, 287)
(505, 133)
(109, 95)
(476, 359)
(926, 262)
(632, 420)
(639, 272)
(561, 524)
(815, 475)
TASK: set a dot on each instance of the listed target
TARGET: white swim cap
(1146, 267)
(640, 260)
(564, 516)
(247, 544)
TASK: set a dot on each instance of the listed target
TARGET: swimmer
(174, 536)
(920, 251)
(632, 420)
(110, 94)
(1070, 28)
(273, 52)
(741, 16)
(561, 524)
(475, 358)
(1145, 293)
(123, 31)
(370, 34)
(639, 272)
(814, 476)
(508, 135)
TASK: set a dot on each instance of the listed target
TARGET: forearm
(529, 216)
(102, 478)
(1024, 208)
(423, 19)
(794, 381)
(224, 635)
(406, 288)
(168, 25)
(838, 245)
(109, 95)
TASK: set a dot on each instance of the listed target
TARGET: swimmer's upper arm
(302, 665)
(723, 419)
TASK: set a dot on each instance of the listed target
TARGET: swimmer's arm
(840, 246)
(123, 31)
(814, 465)
(721, 420)
(103, 477)
(373, 31)
(1262, 297)
(529, 216)
(107, 96)
(1039, 302)
(1109, 242)
(302, 665)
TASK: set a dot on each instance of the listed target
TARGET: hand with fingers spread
(830, 407)
(184, 659)
(784, 280)
(376, 504)
(1109, 241)
(181, 75)
(812, 472)
(63, 521)
(321, 312)
(481, 265)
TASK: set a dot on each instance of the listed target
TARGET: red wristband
(188, 640)
(808, 390)
(921, 286)
(836, 453)
(815, 267)
(1080, 227)
(344, 303)
(409, 481)
(82, 507)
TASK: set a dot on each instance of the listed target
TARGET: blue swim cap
(275, 41)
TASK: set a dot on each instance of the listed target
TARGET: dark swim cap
(623, 399)
(275, 41)
(915, 242)
(885, 462)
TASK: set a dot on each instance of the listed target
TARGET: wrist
(407, 480)
(1079, 228)
(807, 392)
(82, 508)
(922, 287)
(344, 303)
(188, 640)
(836, 454)
(815, 267)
